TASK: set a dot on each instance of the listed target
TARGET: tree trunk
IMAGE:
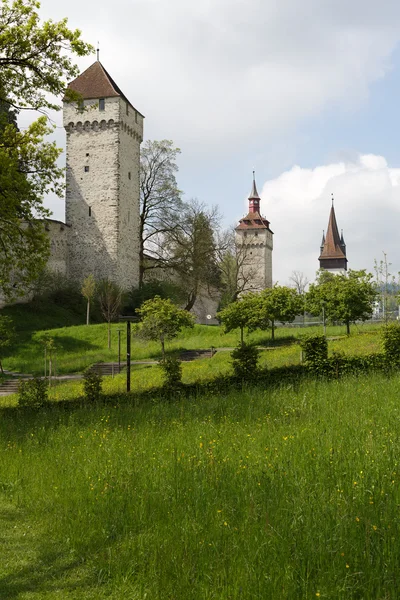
(163, 350)
(1, 367)
(109, 335)
(191, 300)
(241, 335)
(87, 312)
(348, 327)
(273, 330)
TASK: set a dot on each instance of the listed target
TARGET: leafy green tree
(160, 201)
(279, 303)
(243, 313)
(192, 248)
(35, 65)
(161, 320)
(164, 289)
(35, 57)
(7, 335)
(88, 291)
(345, 297)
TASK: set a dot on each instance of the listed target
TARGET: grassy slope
(289, 493)
(80, 346)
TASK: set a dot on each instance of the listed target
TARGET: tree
(347, 298)
(192, 249)
(35, 62)
(150, 289)
(110, 299)
(34, 66)
(160, 200)
(240, 315)
(300, 282)
(161, 320)
(279, 303)
(7, 334)
(88, 291)
(238, 269)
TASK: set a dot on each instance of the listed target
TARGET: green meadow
(288, 490)
(291, 492)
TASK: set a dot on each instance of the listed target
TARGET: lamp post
(128, 348)
(119, 350)
(323, 316)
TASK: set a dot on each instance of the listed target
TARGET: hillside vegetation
(290, 492)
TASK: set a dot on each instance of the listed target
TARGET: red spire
(254, 198)
(333, 252)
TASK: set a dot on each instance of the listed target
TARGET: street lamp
(128, 348)
(323, 316)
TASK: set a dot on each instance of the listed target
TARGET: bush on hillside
(315, 348)
(92, 385)
(172, 371)
(245, 361)
(391, 343)
(33, 392)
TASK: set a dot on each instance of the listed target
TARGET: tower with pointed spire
(333, 248)
(254, 240)
(104, 133)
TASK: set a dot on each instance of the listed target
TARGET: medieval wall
(102, 195)
(255, 259)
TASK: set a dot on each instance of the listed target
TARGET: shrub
(315, 348)
(245, 361)
(172, 371)
(33, 392)
(391, 343)
(92, 383)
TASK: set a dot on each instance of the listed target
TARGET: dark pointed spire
(323, 240)
(98, 51)
(333, 252)
(254, 193)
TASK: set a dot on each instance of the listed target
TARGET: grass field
(80, 346)
(284, 493)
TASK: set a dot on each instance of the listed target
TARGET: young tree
(161, 320)
(192, 248)
(88, 291)
(110, 299)
(160, 200)
(35, 64)
(241, 314)
(347, 298)
(299, 281)
(7, 334)
(279, 303)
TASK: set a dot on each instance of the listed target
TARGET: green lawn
(80, 346)
(259, 494)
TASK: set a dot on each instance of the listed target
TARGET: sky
(307, 94)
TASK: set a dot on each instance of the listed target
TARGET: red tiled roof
(332, 246)
(253, 220)
(95, 82)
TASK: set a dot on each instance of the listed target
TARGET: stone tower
(104, 133)
(333, 248)
(254, 242)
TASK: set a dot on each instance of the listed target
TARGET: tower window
(135, 116)
(127, 108)
(87, 153)
(129, 175)
(102, 104)
(86, 168)
(90, 211)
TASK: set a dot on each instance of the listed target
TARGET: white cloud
(367, 206)
(212, 75)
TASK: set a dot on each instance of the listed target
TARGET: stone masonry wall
(131, 136)
(102, 203)
(255, 259)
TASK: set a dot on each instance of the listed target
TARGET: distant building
(333, 248)
(254, 242)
